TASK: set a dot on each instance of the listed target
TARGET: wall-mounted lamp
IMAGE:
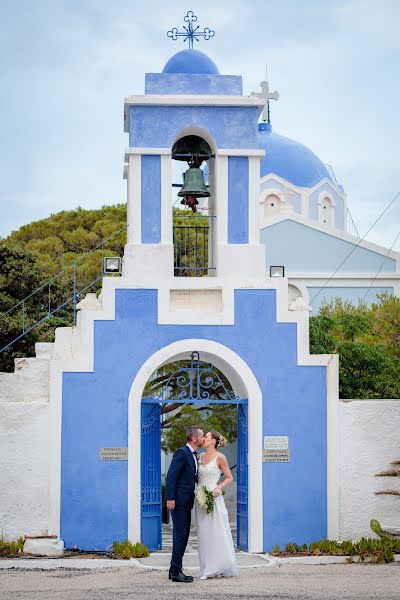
(112, 264)
(277, 271)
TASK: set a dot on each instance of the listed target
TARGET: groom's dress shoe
(181, 578)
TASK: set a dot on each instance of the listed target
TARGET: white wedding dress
(215, 544)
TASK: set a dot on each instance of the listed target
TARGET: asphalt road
(289, 582)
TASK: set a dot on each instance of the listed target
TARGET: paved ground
(289, 582)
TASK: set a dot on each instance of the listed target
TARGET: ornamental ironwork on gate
(193, 382)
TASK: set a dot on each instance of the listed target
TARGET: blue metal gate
(242, 478)
(151, 476)
(194, 384)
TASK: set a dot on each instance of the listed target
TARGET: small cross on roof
(266, 95)
(191, 32)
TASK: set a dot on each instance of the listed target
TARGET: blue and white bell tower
(191, 97)
(236, 317)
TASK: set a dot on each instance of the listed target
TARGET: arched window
(192, 207)
(272, 205)
(326, 211)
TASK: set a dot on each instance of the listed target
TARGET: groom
(181, 478)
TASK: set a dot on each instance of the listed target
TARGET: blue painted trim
(151, 199)
(238, 200)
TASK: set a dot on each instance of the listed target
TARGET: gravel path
(288, 582)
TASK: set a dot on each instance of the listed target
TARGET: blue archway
(194, 384)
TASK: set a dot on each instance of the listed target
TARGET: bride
(215, 545)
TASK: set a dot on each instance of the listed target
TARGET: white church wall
(24, 468)
(369, 441)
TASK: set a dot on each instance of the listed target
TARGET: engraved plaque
(204, 301)
(279, 442)
(276, 455)
(113, 453)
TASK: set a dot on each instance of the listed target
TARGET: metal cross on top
(191, 32)
(266, 95)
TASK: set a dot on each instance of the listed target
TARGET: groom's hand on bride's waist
(170, 504)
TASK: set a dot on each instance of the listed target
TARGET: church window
(272, 205)
(326, 211)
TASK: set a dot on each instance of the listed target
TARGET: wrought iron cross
(191, 32)
(266, 95)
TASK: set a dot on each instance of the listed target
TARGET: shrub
(11, 547)
(378, 551)
(128, 550)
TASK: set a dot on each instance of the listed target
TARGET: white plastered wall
(369, 441)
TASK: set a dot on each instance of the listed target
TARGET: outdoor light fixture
(277, 271)
(112, 264)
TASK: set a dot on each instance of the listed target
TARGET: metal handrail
(352, 223)
(72, 298)
(197, 254)
(331, 172)
(101, 245)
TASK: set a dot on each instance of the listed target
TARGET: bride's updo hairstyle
(220, 441)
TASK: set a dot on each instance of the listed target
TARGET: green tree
(19, 276)
(367, 343)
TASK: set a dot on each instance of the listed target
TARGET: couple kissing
(192, 480)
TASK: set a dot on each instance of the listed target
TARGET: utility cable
(382, 263)
(365, 295)
(355, 247)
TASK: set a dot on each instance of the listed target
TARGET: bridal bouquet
(205, 498)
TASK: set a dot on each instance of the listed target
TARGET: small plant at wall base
(128, 550)
(378, 551)
(11, 548)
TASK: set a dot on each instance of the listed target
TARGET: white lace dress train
(215, 544)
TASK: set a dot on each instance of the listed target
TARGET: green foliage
(128, 550)
(19, 276)
(59, 240)
(378, 551)
(367, 340)
(222, 418)
(11, 547)
(44, 249)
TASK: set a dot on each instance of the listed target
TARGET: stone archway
(243, 383)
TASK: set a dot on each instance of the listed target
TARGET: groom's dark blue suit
(181, 478)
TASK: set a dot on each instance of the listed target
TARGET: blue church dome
(289, 159)
(191, 61)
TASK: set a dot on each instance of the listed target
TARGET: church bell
(194, 184)
(193, 187)
(194, 150)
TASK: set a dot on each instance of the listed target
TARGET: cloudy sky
(66, 67)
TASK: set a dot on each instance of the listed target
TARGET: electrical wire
(365, 295)
(355, 247)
